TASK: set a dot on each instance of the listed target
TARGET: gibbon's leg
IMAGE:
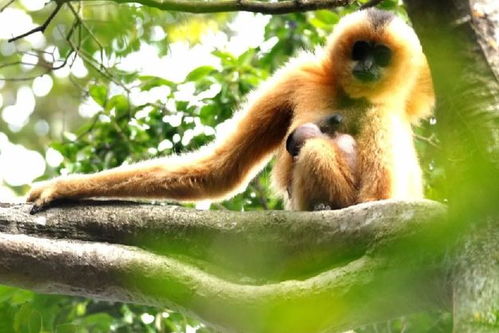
(324, 174)
(213, 173)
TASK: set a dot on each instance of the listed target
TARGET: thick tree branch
(263, 7)
(271, 241)
(247, 272)
(217, 6)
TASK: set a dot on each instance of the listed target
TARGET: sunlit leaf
(98, 94)
(150, 82)
(199, 73)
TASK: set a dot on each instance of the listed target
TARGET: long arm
(212, 173)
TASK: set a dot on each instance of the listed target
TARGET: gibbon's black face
(370, 57)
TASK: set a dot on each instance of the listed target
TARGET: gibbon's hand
(42, 194)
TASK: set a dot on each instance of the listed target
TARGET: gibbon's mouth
(366, 70)
(366, 75)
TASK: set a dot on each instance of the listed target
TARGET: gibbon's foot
(321, 206)
(298, 137)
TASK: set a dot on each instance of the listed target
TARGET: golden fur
(377, 114)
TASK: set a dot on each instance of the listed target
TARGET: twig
(7, 5)
(42, 27)
(430, 141)
(48, 68)
(371, 3)
(90, 32)
(16, 63)
(260, 193)
(92, 125)
(281, 7)
(27, 78)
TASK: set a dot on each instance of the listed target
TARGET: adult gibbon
(339, 122)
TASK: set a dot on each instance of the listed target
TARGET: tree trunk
(460, 39)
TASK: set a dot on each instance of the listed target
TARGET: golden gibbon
(338, 122)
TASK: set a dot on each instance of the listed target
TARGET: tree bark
(270, 271)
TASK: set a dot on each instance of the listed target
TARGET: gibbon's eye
(382, 55)
(360, 50)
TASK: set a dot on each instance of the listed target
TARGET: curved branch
(274, 8)
(191, 261)
(271, 242)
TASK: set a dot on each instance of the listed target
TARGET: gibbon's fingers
(331, 124)
(40, 195)
(322, 177)
(214, 172)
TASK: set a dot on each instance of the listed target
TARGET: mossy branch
(270, 271)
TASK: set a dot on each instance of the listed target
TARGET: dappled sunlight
(18, 165)
(177, 63)
(17, 115)
(13, 22)
(42, 85)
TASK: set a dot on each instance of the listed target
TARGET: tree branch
(272, 271)
(371, 3)
(274, 8)
(10, 2)
(42, 27)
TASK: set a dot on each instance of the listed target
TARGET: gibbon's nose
(366, 70)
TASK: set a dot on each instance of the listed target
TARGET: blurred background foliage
(77, 99)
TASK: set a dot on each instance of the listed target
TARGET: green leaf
(389, 4)
(98, 321)
(199, 73)
(66, 328)
(207, 114)
(35, 322)
(21, 318)
(246, 57)
(98, 94)
(154, 81)
(181, 105)
(327, 16)
(226, 57)
(119, 103)
(319, 24)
